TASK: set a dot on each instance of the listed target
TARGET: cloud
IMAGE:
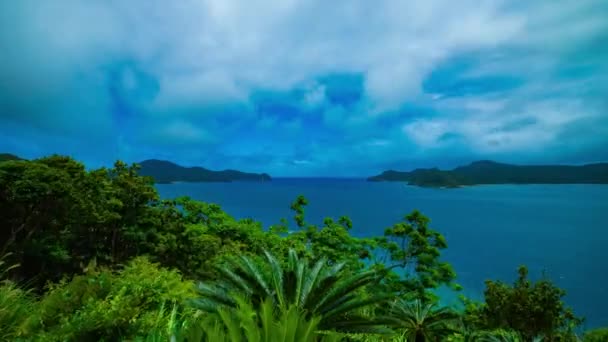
(491, 127)
(183, 132)
(338, 84)
(315, 97)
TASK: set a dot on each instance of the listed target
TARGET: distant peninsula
(167, 172)
(490, 172)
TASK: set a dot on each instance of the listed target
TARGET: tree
(331, 241)
(320, 290)
(42, 203)
(531, 309)
(422, 322)
(55, 217)
(414, 249)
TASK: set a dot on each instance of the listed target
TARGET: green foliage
(498, 336)
(191, 236)
(56, 217)
(103, 257)
(16, 305)
(596, 335)
(331, 241)
(414, 249)
(422, 322)
(531, 309)
(245, 323)
(107, 305)
(323, 291)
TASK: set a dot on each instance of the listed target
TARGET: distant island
(490, 172)
(167, 172)
(164, 172)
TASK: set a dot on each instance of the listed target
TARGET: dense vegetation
(488, 172)
(8, 156)
(97, 256)
(166, 172)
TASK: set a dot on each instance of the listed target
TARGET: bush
(107, 305)
(596, 335)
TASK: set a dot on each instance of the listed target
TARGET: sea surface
(557, 230)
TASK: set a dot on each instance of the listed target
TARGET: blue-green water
(561, 230)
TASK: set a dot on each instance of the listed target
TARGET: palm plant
(499, 336)
(327, 292)
(422, 322)
(245, 323)
(493, 336)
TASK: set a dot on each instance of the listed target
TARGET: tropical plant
(499, 336)
(244, 323)
(530, 309)
(490, 336)
(422, 322)
(16, 305)
(414, 249)
(109, 305)
(331, 241)
(596, 335)
(320, 290)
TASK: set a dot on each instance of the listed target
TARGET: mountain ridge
(9, 156)
(492, 172)
(164, 171)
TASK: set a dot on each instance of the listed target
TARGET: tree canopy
(97, 255)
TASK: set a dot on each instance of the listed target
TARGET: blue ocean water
(561, 230)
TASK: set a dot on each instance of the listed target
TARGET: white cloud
(498, 126)
(225, 48)
(200, 89)
(427, 133)
(207, 53)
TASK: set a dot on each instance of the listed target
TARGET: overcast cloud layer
(294, 87)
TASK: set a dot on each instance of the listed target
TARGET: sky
(305, 87)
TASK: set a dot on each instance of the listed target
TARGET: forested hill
(168, 172)
(489, 172)
(8, 156)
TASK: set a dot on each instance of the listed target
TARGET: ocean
(560, 231)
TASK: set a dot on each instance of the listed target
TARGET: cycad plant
(245, 324)
(500, 336)
(329, 293)
(491, 336)
(422, 322)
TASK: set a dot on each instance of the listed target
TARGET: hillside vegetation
(98, 256)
